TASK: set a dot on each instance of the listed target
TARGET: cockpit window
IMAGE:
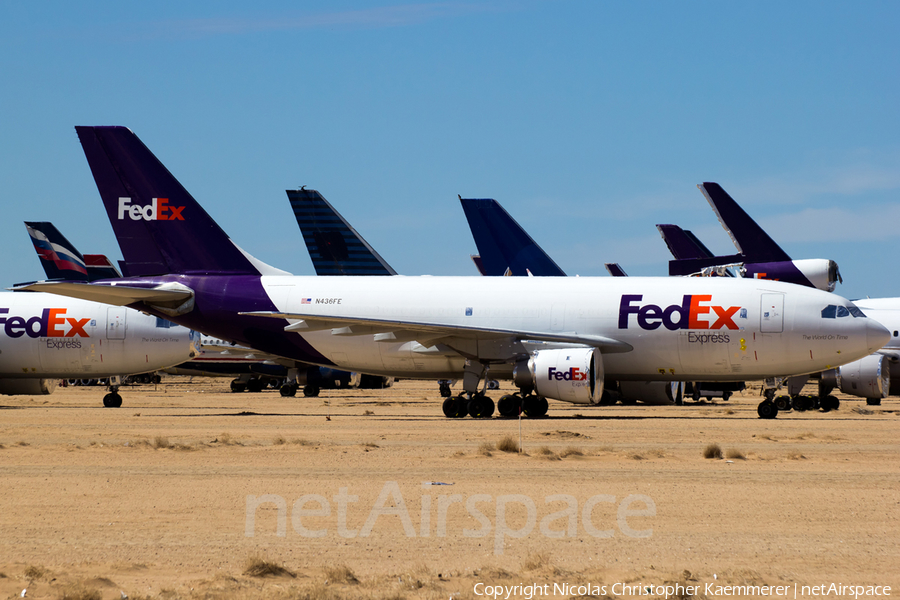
(833, 311)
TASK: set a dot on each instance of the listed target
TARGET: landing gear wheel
(798, 403)
(509, 405)
(156, 379)
(449, 408)
(726, 396)
(783, 403)
(456, 407)
(445, 390)
(829, 402)
(238, 386)
(310, 391)
(255, 385)
(767, 410)
(289, 389)
(480, 407)
(873, 401)
(534, 406)
(112, 400)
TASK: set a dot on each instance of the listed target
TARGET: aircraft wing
(117, 295)
(427, 334)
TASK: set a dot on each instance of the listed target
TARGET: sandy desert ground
(178, 492)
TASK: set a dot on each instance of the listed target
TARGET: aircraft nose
(877, 335)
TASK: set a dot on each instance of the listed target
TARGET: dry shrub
(571, 451)
(735, 454)
(712, 451)
(23, 443)
(657, 453)
(636, 456)
(508, 444)
(486, 449)
(302, 442)
(862, 411)
(258, 567)
(368, 413)
(161, 442)
(340, 574)
(536, 561)
(544, 451)
(279, 441)
(369, 445)
(36, 572)
(80, 592)
(460, 453)
(796, 456)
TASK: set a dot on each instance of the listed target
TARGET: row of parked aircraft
(562, 338)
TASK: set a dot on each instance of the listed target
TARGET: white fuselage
(49, 336)
(680, 328)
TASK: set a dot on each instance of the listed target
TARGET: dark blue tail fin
(158, 224)
(334, 246)
(683, 244)
(616, 270)
(60, 259)
(749, 238)
(504, 246)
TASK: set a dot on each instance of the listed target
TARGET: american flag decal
(306, 301)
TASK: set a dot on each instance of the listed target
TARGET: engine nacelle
(652, 392)
(867, 377)
(568, 374)
(27, 387)
(819, 273)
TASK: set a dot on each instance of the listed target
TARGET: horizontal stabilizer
(118, 295)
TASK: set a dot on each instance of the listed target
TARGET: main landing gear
(478, 405)
(772, 405)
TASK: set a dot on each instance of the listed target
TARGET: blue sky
(589, 121)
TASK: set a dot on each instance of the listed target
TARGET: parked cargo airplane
(873, 377)
(44, 338)
(178, 263)
(505, 248)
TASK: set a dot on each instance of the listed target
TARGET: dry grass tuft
(536, 561)
(571, 451)
(80, 592)
(368, 445)
(341, 574)
(735, 454)
(795, 456)
(712, 451)
(161, 442)
(508, 444)
(862, 411)
(486, 449)
(257, 567)
(544, 451)
(302, 442)
(657, 453)
(368, 413)
(636, 456)
(459, 454)
(23, 443)
(36, 572)
(279, 441)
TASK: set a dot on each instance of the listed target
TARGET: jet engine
(867, 377)
(652, 392)
(820, 273)
(27, 387)
(568, 374)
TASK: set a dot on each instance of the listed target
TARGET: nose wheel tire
(112, 400)
(767, 410)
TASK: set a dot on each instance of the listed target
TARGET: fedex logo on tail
(159, 209)
(51, 323)
(694, 312)
(572, 374)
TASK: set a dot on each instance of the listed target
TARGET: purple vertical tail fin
(158, 224)
(749, 238)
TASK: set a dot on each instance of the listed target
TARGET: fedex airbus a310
(557, 338)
